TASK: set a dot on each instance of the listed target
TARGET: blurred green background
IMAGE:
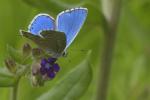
(130, 75)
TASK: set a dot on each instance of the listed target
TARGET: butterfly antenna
(19, 35)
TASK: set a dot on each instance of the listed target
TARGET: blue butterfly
(55, 36)
(68, 22)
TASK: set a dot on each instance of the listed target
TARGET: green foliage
(18, 56)
(54, 5)
(73, 85)
(130, 77)
(6, 78)
(14, 54)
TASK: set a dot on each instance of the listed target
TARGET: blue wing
(41, 22)
(70, 22)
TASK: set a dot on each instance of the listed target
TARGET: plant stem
(112, 17)
(15, 90)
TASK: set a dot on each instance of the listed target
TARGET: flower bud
(11, 65)
(26, 49)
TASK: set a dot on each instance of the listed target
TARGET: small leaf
(74, 84)
(17, 56)
(6, 78)
(11, 65)
(14, 54)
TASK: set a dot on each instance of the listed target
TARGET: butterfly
(55, 36)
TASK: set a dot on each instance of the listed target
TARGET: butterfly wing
(53, 42)
(41, 22)
(70, 22)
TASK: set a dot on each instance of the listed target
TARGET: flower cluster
(49, 67)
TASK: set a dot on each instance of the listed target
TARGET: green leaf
(14, 54)
(53, 5)
(6, 78)
(17, 56)
(74, 84)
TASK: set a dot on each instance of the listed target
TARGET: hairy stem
(111, 14)
(15, 90)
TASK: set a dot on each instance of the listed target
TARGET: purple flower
(49, 67)
(56, 67)
(43, 62)
(51, 74)
(52, 60)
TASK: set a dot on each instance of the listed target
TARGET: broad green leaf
(74, 84)
(6, 79)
